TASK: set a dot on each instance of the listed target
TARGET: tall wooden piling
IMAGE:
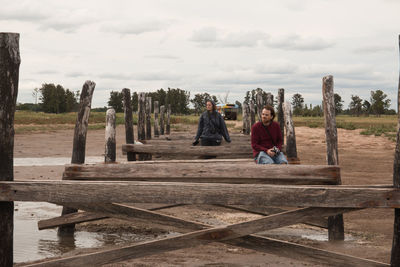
(335, 223)
(291, 147)
(270, 99)
(142, 116)
(9, 76)
(395, 254)
(281, 119)
(168, 126)
(162, 118)
(79, 143)
(252, 114)
(129, 134)
(110, 146)
(148, 118)
(156, 128)
(260, 104)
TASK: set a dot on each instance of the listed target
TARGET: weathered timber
(129, 133)
(270, 99)
(252, 114)
(228, 172)
(170, 149)
(79, 143)
(246, 124)
(148, 118)
(156, 128)
(110, 147)
(142, 116)
(9, 77)
(395, 254)
(168, 125)
(260, 104)
(189, 137)
(281, 118)
(162, 119)
(291, 147)
(200, 193)
(85, 216)
(335, 224)
(194, 238)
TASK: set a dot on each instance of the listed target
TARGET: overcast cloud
(207, 46)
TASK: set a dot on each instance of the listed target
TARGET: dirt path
(363, 160)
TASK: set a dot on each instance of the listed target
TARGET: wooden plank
(85, 216)
(110, 149)
(228, 172)
(200, 193)
(9, 76)
(395, 254)
(194, 238)
(79, 143)
(335, 224)
(129, 133)
(243, 150)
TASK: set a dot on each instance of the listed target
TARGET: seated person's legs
(263, 158)
(280, 159)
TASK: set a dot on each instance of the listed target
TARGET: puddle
(31, 244)
(52, 161)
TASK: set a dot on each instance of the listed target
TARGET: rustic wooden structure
(291, 147)
(168, 126)
(9, 73)
(280, 115)
(129, 133)
(162, 119)
(246, 119)
(260, 104)
(156, 128)
(110, 148)
(148, 118)
(252, 114)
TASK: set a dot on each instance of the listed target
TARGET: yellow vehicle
(228, 111)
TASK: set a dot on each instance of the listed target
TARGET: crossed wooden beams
(324, 201)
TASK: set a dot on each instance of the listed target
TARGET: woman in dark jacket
(211, 127)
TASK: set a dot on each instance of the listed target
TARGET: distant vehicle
(228, 111)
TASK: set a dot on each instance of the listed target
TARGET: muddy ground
(363, 160)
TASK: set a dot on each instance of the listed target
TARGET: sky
(221, 47)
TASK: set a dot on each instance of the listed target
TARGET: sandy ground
(363, 160)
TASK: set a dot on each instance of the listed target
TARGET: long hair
(270, 108)
(214, 107)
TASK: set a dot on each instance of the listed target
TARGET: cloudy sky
(217, 46)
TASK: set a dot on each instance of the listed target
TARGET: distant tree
(297, 104)
(179, 100)
(115, 101)
(338, 104)
(55, 99)
(199, 101)
(355, 105)
(366, 107)
(379, 103)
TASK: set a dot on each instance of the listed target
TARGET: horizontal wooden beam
(200, 193)
(204, 172)
(171, 149)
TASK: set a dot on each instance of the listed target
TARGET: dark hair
(214, 107)
(270, 108)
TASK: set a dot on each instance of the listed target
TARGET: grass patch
(378, 130)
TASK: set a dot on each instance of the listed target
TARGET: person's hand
(195, 143)
(271, 152)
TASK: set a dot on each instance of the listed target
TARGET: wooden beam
(9, 76)
(194, 238)
(228, 172)
(110, 149)
(198, 193)
(129, 133)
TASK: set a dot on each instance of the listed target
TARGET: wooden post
(281, 119)
(291, 147)
(148, 118)
(129, 134)
(79, 143)
(270, 99)
(245, 115)
(162, 116)
(142, 116)
(168, 126)
(395, 255)
(156, 128)
(335, 223)
(252, 114)
(9, 76)
(260, 104)
(110, 150)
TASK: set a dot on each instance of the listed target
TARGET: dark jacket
(212, 127)
(261, 140)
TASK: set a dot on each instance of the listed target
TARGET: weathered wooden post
(395, 255)
(281, 119)
(156, 128)
(270, 99)
(245, 118)
(129, 134)
(291, 147)
(110, 149)
(148, 118)
(260, 104)
(335, 223)
(252, 114)
(168, 126)
(162, 116)
(79, 143)
(142, 116)
(9, 76)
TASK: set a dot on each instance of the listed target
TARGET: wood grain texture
(162, 119)
(156, 127)
(291, 147)
(281, 119)
(129, 133)
(148, 118)
(110, 147)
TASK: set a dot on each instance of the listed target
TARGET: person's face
(266, 116)
(209, 106)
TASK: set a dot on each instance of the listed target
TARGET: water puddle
(52, 161)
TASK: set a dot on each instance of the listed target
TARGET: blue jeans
(264, 158)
